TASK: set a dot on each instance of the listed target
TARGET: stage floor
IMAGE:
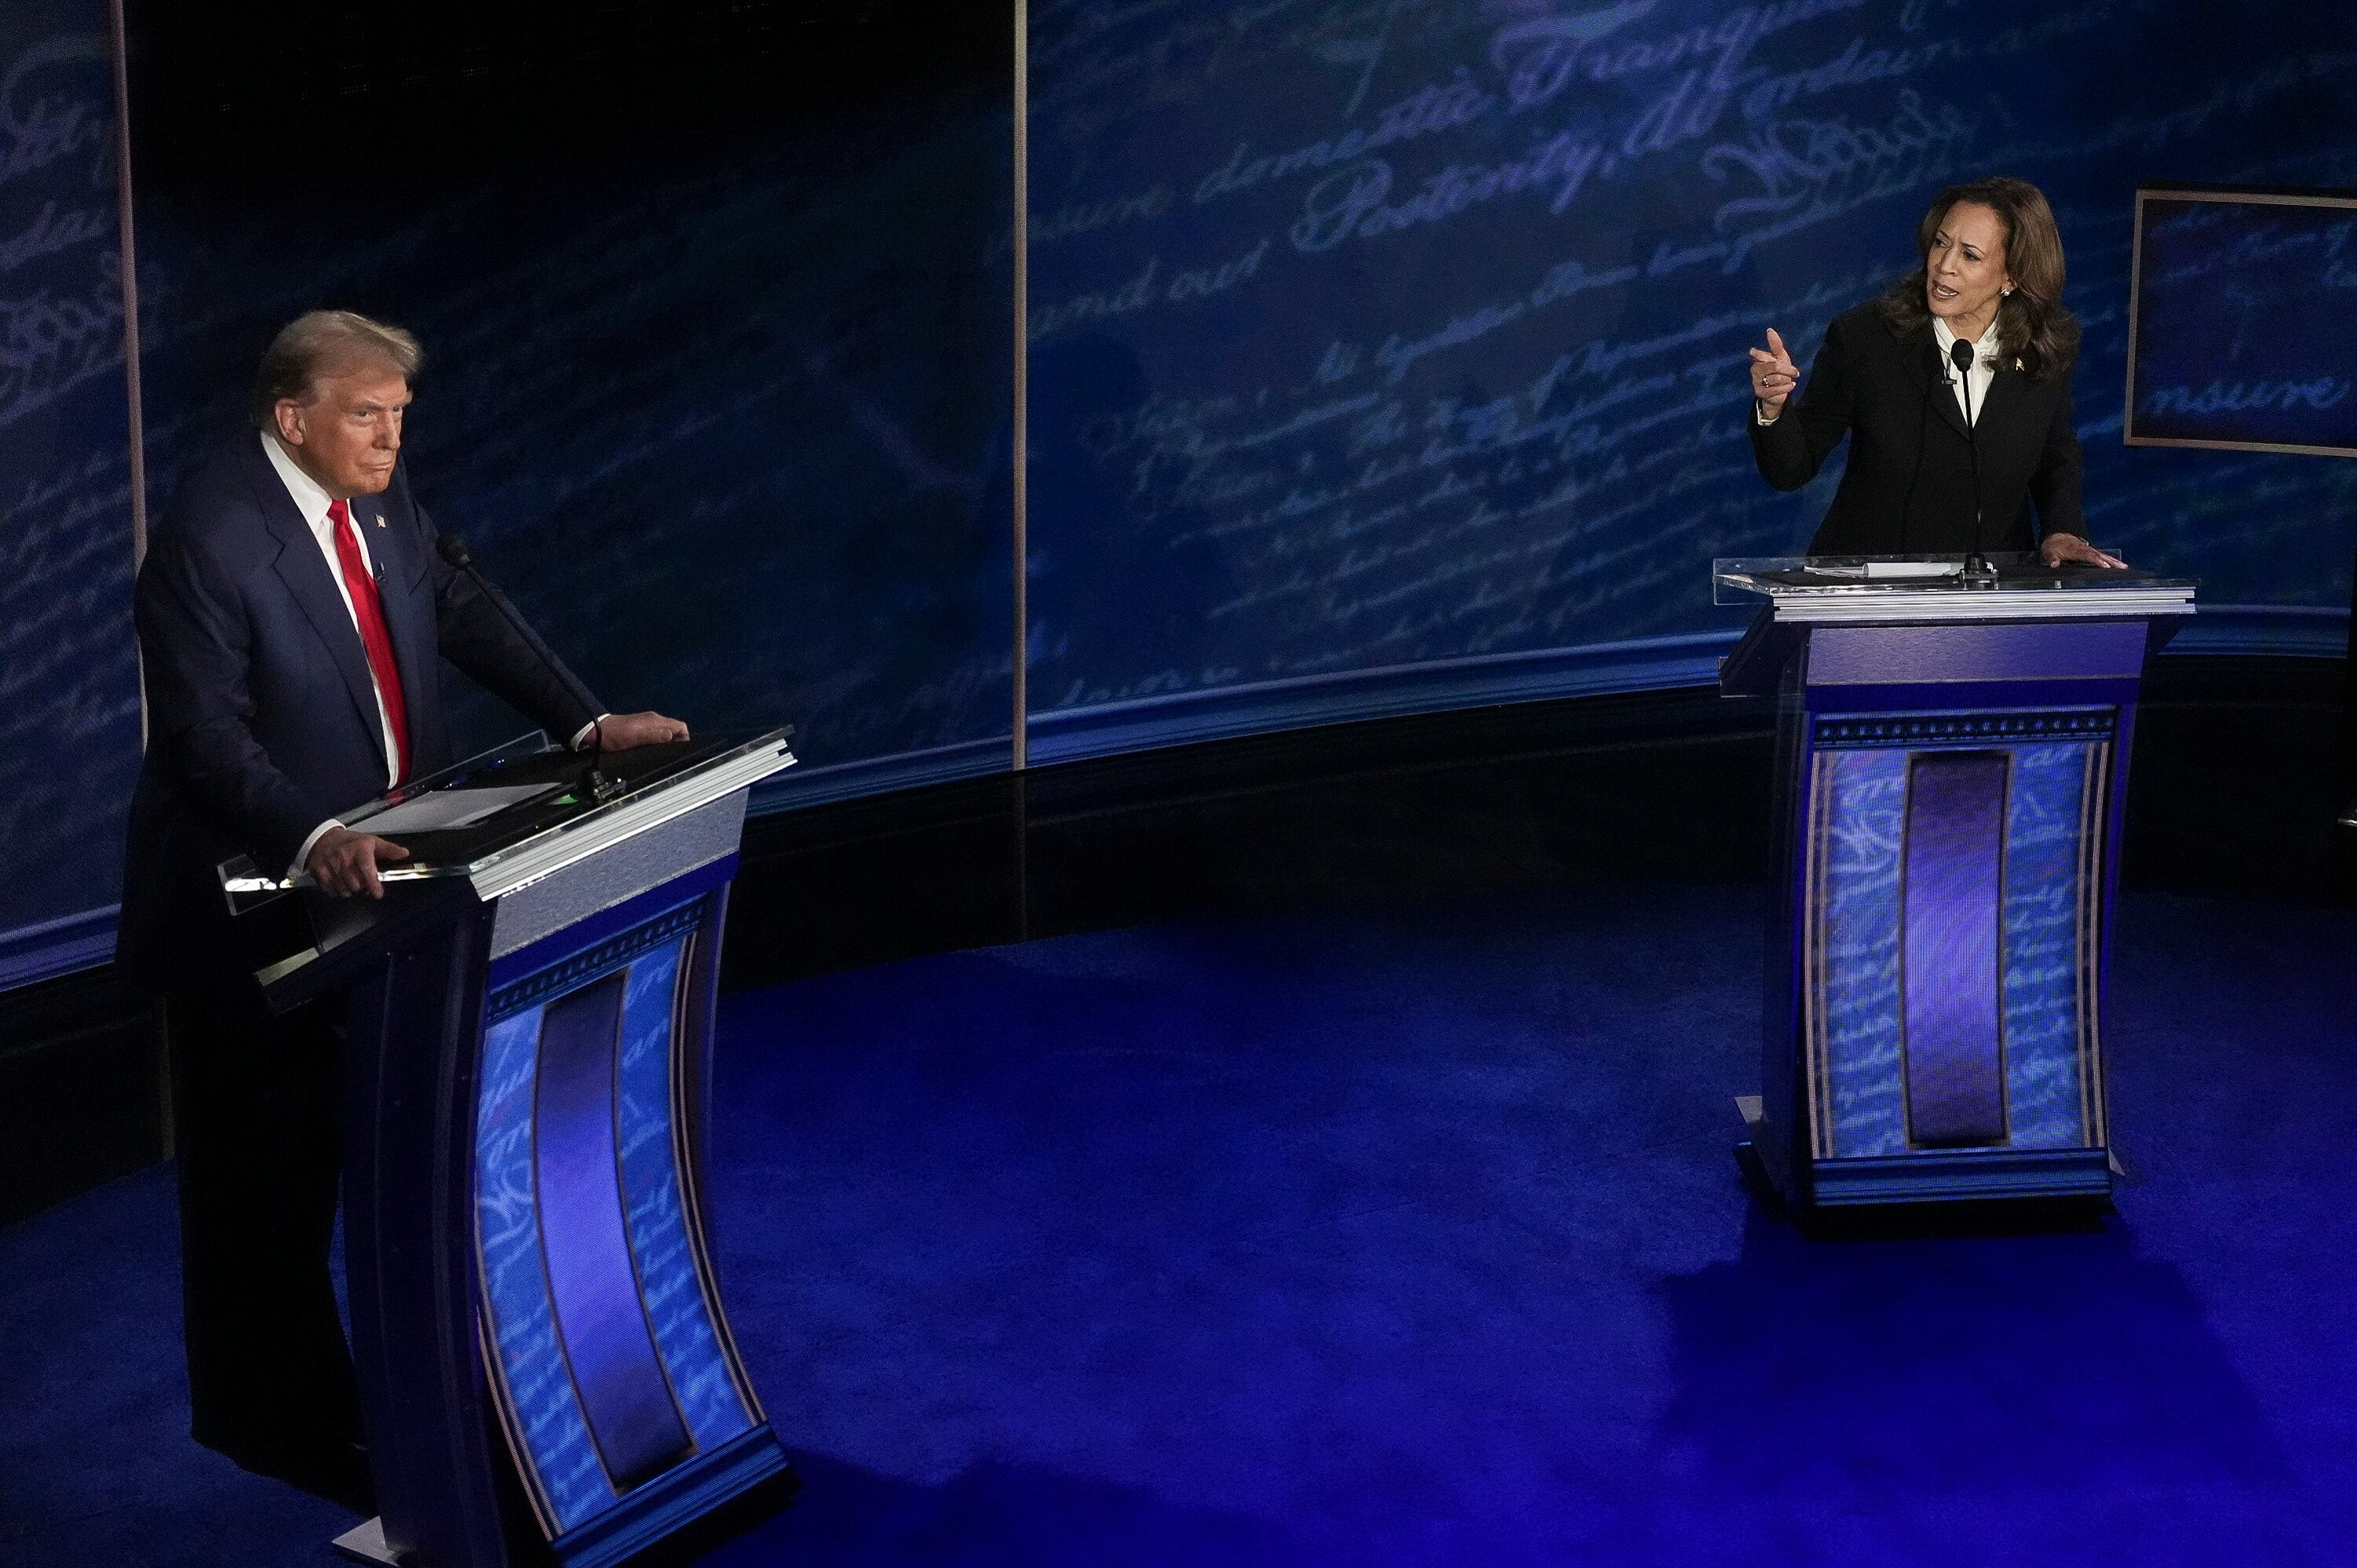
(1396, 1236)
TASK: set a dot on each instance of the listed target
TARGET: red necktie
(370, 613)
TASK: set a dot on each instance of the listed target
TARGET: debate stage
(1226, 1046)
(1403, 1234)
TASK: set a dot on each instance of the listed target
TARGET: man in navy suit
(292, 612)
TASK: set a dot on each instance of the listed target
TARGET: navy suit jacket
(261, 717)
(1909, 486)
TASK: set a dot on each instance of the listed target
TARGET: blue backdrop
(68, 679)
(1394, 351)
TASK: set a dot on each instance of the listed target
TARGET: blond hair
(318, 342)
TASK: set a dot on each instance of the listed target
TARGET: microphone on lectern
(454, 549)
(1961, 356)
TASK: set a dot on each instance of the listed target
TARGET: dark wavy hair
(2032, 325)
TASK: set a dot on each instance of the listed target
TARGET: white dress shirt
(1984, 368)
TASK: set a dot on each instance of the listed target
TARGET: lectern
(546, 1372)
(1951, 760)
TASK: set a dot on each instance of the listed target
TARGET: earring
(2009, 293)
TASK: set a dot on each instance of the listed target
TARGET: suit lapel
(2005, 395)
(1932, 376)
(304, 570)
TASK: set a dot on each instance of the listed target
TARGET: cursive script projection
(60, 289)
(68, 693)
(2247, 324)
(1459, 366)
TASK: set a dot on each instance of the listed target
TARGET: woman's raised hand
(1774, 376)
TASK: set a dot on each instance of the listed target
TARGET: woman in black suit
(1979, 326)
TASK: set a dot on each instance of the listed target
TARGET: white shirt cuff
(304, 854)
(580, 741)
(1759, 412)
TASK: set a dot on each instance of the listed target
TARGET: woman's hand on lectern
(1774, 377)
(2069, 549)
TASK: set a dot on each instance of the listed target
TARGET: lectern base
(716, 1496)
(365, 1543)
(1931, 1175)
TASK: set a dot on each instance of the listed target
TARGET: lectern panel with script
(537, 1327)
(1950, 761)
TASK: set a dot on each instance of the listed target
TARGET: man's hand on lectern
(344, 862)
(619, 732)
(2059, 548)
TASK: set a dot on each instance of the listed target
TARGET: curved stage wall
(1382, 360)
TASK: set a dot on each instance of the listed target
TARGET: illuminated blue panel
(1861, 933)
(668, 1276)
(1953, 899)
(2042, 898)
(546, 1412)
(591, 1276)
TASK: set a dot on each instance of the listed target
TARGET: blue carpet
(1403, 1237)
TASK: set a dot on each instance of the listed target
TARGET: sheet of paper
(1889, 569)
(445, 809)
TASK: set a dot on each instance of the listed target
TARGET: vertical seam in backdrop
(119, 47)
(167, 1126)
(1021, 442)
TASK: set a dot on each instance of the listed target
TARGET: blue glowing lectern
(1951, 760)
(546, 1373)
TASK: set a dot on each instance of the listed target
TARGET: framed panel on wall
(2242, 321)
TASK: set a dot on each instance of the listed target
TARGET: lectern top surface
(515, 798)
(1941, 587)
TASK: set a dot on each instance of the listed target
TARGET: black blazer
(1909, 486)
(262, 720)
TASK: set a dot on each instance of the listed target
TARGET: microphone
(1922, 423)
(1961, 356)
(453, 551)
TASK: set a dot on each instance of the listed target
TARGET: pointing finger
(1776, 343)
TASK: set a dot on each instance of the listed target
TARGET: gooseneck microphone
(1923, 423)
(454, 549)
(1961, 356)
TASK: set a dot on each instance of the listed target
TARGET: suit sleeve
(476, 636)
(1792, 450)
(2054, 483)
(195, 645)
